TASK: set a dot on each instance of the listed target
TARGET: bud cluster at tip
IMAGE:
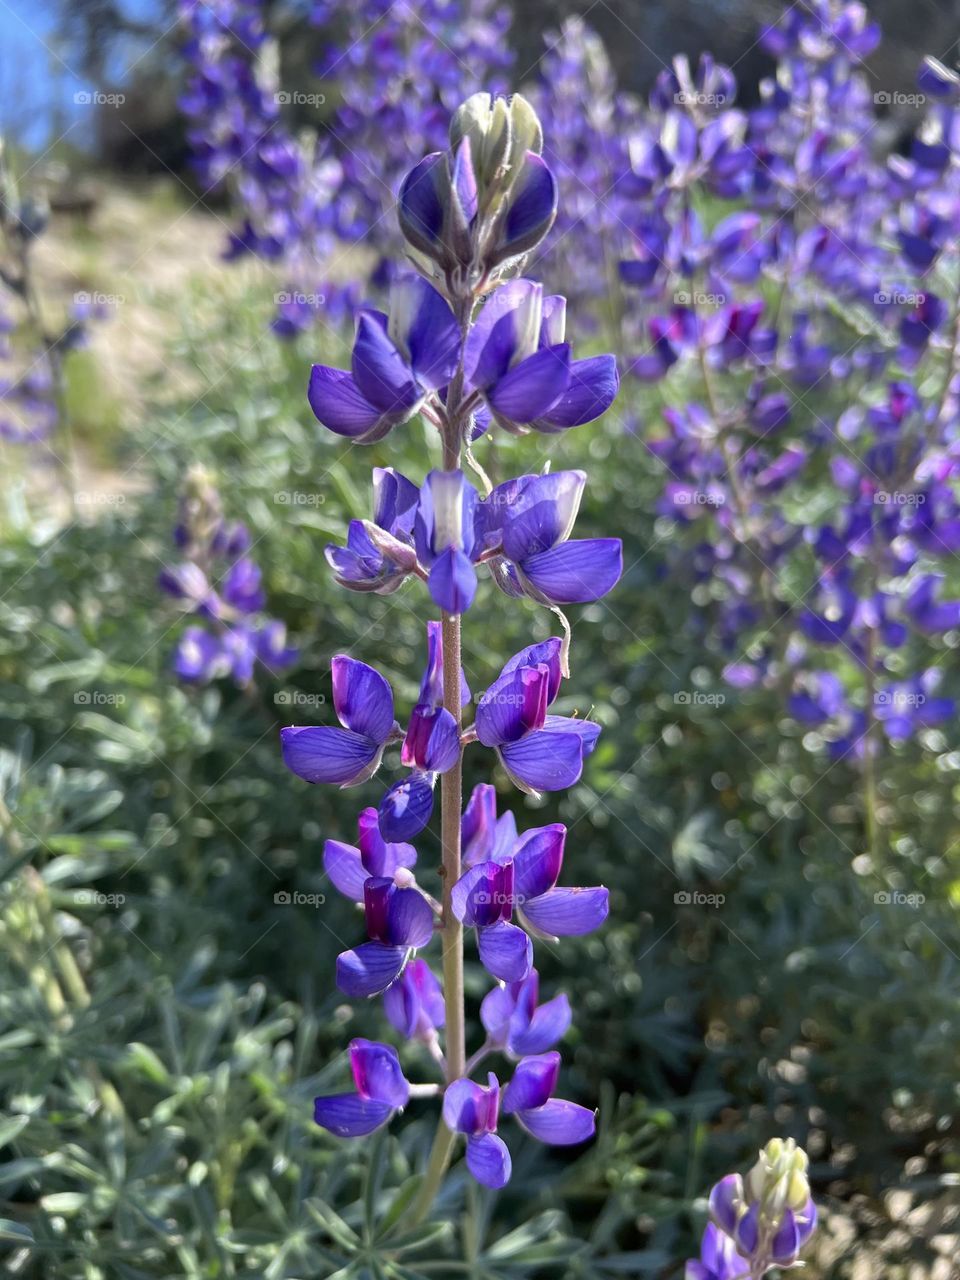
(769, 1214)
(475, 211)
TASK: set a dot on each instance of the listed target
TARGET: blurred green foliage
(165, 1020)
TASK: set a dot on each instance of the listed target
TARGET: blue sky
(41, 95)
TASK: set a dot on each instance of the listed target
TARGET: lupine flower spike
(466, 344)
(758, 1222)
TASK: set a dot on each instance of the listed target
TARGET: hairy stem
(451, 805)
(870, 746)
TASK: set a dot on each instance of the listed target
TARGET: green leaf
(15, 1232)
(11, 1127)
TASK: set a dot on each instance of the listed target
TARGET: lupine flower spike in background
(758, 1223)
(470, 345)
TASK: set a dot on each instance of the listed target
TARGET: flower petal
(362, 698)
(369, 969)
(507, 327)
(406, 807)
(347, 1115)
(514, 705)
(534, 1081)
(424, 328)
(547, 652)
(325, 754)
(532, 386)
(467, 1107)
(505, 951)
(342, 864)
(453, 581)
(338, 403)
(380, 371)
(471, 897)
(409, 918)
(726, 1200)
(420, 205)
(591, 390)
(537, 860)
(548, 1024)
(568, 913)
(532, 209)
(381, 857)
(540, 513)
(489, 1160)
(559, 1123)
(377, 1073)
(544, 761)
(576, 572)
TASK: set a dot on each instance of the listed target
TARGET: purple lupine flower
(399, 922)
(529, 1098)
(363, 702)
(407, 806)
(199, 656)
(524, 880)
(414, 1003)
(517, 1024)
(533, 518)
(395, 363)
(272, 648)
(718, 1259)
(226, 597)
(926, 611)
(241, 587)
(381, 1090)
(349, 867)
(445, 539)
(517, 361)
(905, 706)
(188, 583)
(482, 834)
(540, 752)
(379, 553)
(431, 745)
(473, 1110)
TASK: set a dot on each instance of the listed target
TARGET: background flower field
(782, 954)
